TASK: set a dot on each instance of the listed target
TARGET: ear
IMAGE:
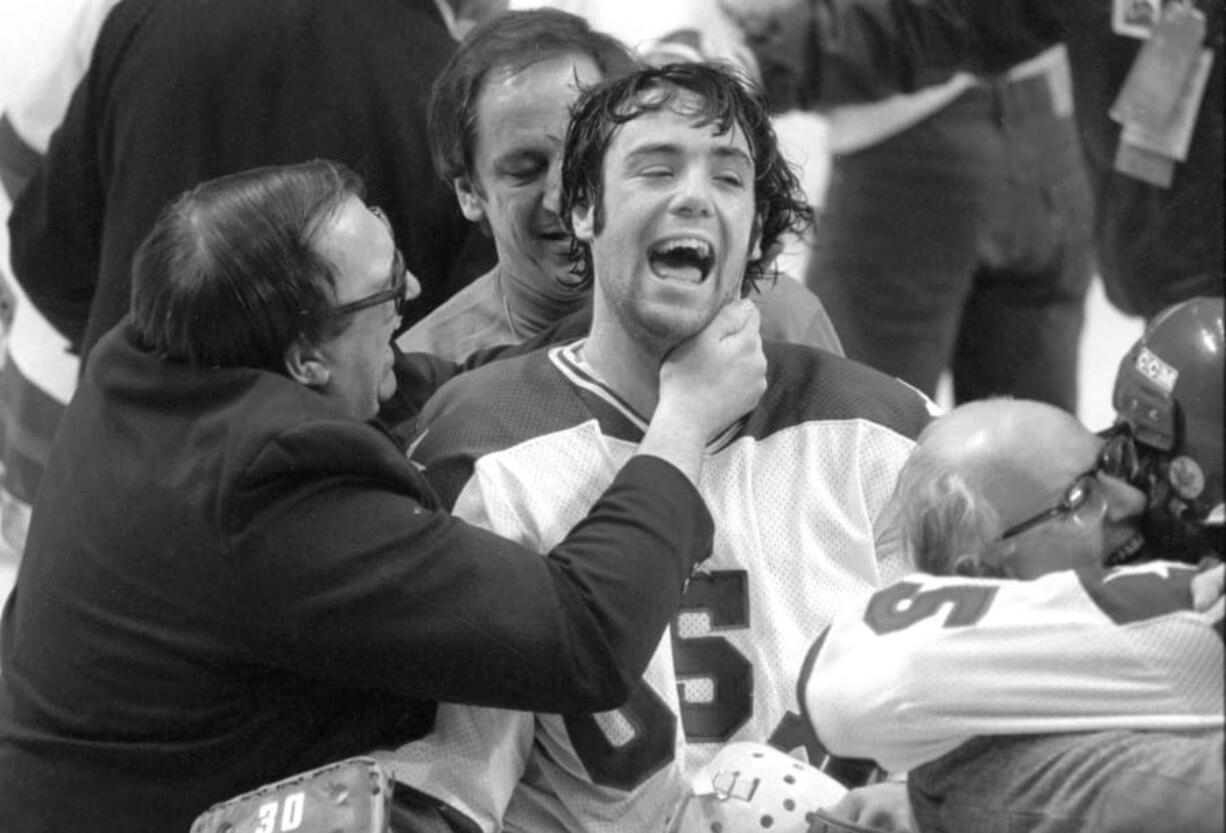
(306, 365)
(469, 196)
(965, 565)
(995, 560)
(583, 221)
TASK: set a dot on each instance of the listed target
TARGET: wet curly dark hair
(727, 99)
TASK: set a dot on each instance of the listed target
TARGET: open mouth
(1126, 553)
(686, 259)
(553, 234)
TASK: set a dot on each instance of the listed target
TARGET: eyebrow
(669, 149)
(517, 156)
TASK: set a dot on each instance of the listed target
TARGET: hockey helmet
(1168, 391)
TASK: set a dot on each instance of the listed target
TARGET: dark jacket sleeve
(351, 581)
(872, 49)
(827, 53)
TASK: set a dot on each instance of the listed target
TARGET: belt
(1044, 79)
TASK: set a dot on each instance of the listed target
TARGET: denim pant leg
(1022, 323)
(1105, 782)
(963, 242)
(894, 249)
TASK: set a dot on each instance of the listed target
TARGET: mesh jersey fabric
(923, 666)
(800, 492)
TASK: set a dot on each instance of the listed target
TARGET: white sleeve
(475, 756)
(66, 33)
(930, 662)
(472, 759)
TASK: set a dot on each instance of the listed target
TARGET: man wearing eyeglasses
(1019, 702)
(232, 575)
(1060, 495)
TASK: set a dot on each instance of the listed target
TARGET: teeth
(700, 246)
(687, 259)
(1124, 554)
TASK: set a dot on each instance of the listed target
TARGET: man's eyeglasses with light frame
(1117, 458)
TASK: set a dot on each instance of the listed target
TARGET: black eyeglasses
(399, 279)
(1117, 458)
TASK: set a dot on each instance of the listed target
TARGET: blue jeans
(1105, 782)
(965, 242)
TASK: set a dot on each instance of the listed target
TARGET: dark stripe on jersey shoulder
(499, 405)
(605, 405)
(1134, 594)
(806, 384)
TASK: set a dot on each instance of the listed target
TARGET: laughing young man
(674, 186)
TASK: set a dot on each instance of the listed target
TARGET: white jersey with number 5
(930, 662)
(800, 495)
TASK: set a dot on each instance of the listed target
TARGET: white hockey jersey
(924, 665)
(800, 492)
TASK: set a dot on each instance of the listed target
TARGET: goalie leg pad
(349, 796)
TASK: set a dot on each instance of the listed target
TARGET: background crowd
(971, 239)
(34, 89)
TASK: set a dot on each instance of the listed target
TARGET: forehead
(677, 121)
(1052, 453)
(1066, 443)
(1020, 453)
(359, 244)
(532, 95)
